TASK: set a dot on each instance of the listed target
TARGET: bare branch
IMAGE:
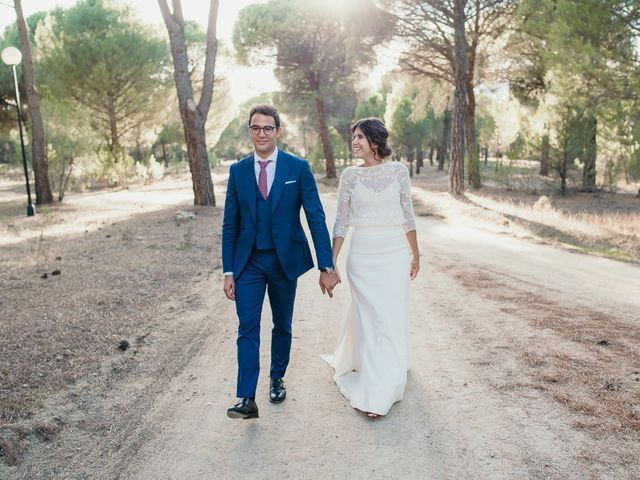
(177, 11)
(166, 14)
(210, 62)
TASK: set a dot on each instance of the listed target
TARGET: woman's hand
(415, 267)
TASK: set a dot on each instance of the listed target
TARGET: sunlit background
(534, 90)
(244, 82)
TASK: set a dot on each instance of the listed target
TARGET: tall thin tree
(319, 53)
(428, 28)
(38, 145)
(193, 115)
(456, 166)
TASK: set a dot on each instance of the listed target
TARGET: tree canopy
(317, 53)
(98, 57)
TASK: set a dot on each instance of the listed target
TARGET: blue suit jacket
(293, 188)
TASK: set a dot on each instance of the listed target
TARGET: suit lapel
(283, 165)
(249, 185)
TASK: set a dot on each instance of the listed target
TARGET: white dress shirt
(271, 167)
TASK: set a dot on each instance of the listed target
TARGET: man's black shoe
(277, 392)
(245, 408)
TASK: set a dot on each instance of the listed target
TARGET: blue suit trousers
(262, 274)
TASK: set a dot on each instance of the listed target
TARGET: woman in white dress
(372, 356)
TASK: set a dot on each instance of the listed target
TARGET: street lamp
(11, 56)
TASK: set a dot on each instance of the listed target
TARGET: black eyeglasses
(268, 130)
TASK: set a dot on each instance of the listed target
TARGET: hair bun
(384, 150)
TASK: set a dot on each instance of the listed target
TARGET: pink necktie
(262, 178)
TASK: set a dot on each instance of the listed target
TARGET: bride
(372, 356)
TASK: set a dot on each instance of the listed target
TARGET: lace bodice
(374, 196)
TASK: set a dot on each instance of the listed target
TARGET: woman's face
(361, 147)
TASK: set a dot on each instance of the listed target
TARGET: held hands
(328, 281)
(415, 267)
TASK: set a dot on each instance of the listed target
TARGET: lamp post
(11, 56)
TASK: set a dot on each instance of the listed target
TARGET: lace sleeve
(343, 212)
(405, 200)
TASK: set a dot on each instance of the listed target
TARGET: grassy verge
(78, 301)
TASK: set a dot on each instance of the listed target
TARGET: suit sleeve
(315, 217)
(230, 224)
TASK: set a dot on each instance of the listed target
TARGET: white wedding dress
(372, 355)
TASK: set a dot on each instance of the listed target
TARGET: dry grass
(599, 382)
(605, 223)
(12, 443)
(584, 360)
(588, 362)
(602, 223)
(113, 284)
(13, 438)
(533, 359)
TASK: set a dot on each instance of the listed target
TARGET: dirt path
(503, 330)
(454, 423)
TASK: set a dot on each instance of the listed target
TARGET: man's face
(264, 134)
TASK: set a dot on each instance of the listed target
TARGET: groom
(264, 249)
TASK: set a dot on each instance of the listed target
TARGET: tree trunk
(412, 158)
(456, 166)
(589, 171)
(194, 117)
(61, 180)
(563, 172)
(432, 149)
(443, 150)
(349, 157)
(623, 166)
(194, 135)
(141, 151)
(330, 166)
(38, 145)
(114, 143)
(64, 179)
(544, 156)
(164, 155)
(473, 149)
(419, 160)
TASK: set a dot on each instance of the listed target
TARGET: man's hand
(328, 281)
(230, 287)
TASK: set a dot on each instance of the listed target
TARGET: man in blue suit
(265, 250)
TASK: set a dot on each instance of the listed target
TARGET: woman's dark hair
(264, 109)
(376, 133)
